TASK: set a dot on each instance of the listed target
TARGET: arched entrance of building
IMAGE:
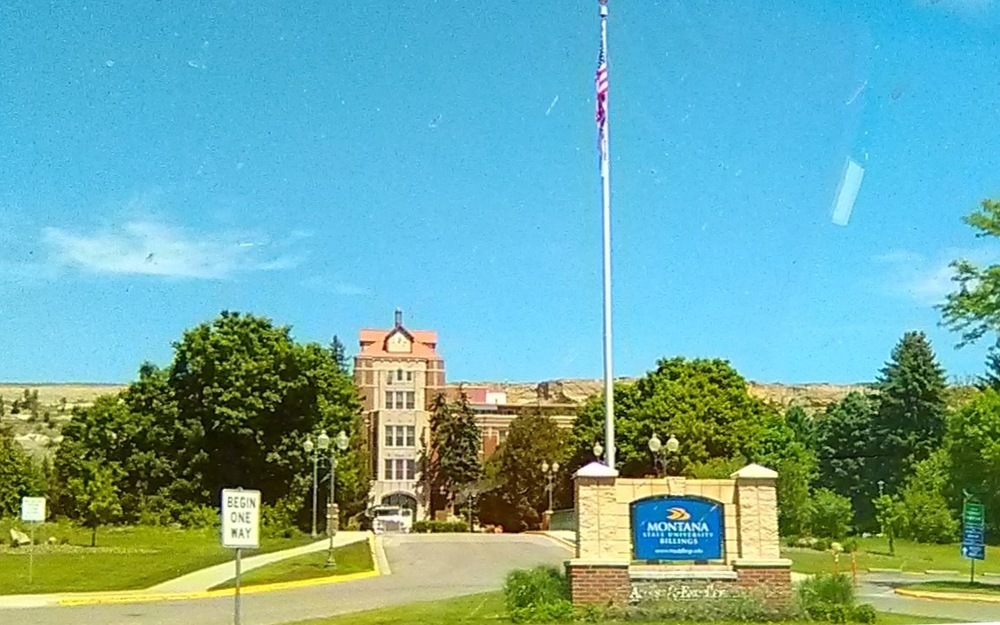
(403, 500)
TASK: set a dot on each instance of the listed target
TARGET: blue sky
(322, 163)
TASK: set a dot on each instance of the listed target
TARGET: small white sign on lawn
(33, 509)
(240, 518)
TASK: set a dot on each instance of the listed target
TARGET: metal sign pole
(236, 614)
(31, 556)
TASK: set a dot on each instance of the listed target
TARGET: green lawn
(488, 609)
(910, 556)
(353, 558)
(957, 586)
(126, 558)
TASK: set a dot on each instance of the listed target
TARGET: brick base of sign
(598, 584)
(612, 584)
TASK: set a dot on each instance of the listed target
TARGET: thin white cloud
(326, 284)
(155, 249)
(928, 280)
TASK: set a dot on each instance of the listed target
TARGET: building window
(411, 400)
(409, 376)
(389, 380)
(502, 436)
(400, 433)
(388, 400)
(388, 436)
(411, 436)
(400, 395)
(388, 470)
(411, 470)
(399, 375)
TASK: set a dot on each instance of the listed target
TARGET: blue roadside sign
(973, 536)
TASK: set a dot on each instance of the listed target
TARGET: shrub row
(440, 527)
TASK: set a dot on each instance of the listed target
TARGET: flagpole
(609, 393)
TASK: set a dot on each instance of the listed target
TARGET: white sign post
(240, 528)
(33, 512)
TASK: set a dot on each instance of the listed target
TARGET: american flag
(601, 83)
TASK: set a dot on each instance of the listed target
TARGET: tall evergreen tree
(845, 450)
(991, 379)
(910, 422)
(339, 353)
(453, 458)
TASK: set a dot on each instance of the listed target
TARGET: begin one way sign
(240, 518)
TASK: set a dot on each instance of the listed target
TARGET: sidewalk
(215, 575)
(194, 582)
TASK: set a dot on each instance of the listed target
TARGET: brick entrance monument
(675, 537)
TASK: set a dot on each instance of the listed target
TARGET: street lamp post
(340, 443)
(660, 451)
(549, 470)
(309, 449)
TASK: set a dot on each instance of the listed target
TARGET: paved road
(424, 567)
(877, 589)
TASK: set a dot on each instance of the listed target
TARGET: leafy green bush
(199, 517)
(830, 514)
(737, 608)
(830, 597)
(542, 585)
(279, 519)
(864, 613)
(439, 527)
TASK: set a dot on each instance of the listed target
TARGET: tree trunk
(93, 536)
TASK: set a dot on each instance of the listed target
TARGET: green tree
(18, 476)
(803, 426)
(926, 515)
(973, 448)
(3, 407)
(339, 354)
(455, 444)
(232, 409)
(96, 497)
(910, 421)
(974, 309)
(829, 514)
(704, 403)
(890, 518)
(845, 449)
(519, 495)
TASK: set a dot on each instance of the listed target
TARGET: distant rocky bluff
(811, 397)
(39, 429)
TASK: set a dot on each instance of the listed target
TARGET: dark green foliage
(451, 460)
(231, 410)
(704, 403)
(845, 449)
(910, 422)
(339, 354)
(829, 514)
(439, 527)
(803, 426)
(519, 495)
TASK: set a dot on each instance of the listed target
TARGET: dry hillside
(37, 430)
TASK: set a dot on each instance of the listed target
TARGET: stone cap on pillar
(595, 470)
(755, 471)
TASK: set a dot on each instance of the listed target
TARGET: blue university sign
(677, 528)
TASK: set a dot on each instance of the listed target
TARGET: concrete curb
(942, 572)
(947, 596)
(562, 541)
(379, 561)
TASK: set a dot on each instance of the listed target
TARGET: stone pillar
(760, 567)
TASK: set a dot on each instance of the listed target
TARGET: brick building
(398, 373)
